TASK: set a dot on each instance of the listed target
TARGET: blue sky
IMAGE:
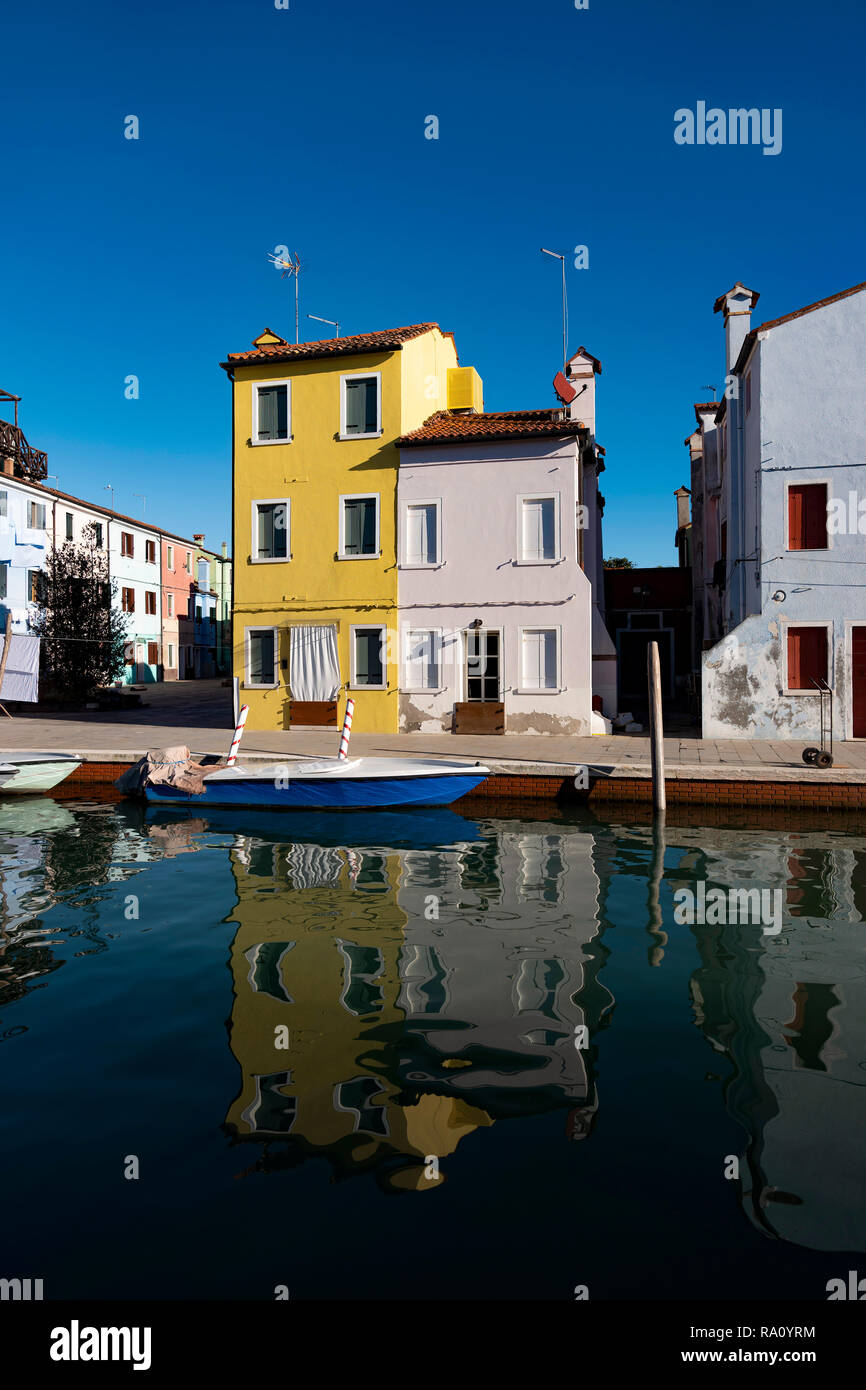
(305, 127)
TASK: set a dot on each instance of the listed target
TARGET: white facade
(135, 561)
(500, 570)
(25, 538)
(794, 419)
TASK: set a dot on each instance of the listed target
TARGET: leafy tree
(618, 562)
(83, 634)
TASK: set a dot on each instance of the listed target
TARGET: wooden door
(858, 681)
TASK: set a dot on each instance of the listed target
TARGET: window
(537, 540)
(169, 607)
(171, 656)
(4, 503)
(807, 657)
(261, 668)
(539, 652)
(271, 414)
(4, 572)
(36, 516)
(187, 564)
(359, 526)
(150, 552)
(360, 405)
(198, 612)
(422, 659)
(482, 665)
(169, 556)
(70, 527)
(127, 600)
(270, 539)
(34, 586)
(127, 543)
(97, 534)
(153, 653)
(807, 516)
(368, 667)
(422, 533)
(150, 601)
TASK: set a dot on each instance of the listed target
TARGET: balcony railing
(26, 462)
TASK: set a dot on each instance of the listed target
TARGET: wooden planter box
(479, 717)
(321, 714)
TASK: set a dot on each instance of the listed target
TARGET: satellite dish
(564, 389)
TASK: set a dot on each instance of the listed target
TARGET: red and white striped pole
(236, 741)
(347, 730)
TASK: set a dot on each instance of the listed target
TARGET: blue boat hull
(345, 794)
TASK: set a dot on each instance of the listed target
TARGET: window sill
(263, 686)
(559, 690)
(271, 559)
(426, 690)
(262, 443)
(558, 560)
(421, 565)
(376, 556)
(345, 438)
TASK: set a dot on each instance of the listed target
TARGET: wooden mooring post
(657, 748)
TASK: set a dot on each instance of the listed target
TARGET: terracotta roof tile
(447, 428)
(384, 340)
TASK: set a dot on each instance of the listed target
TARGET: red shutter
(807, 657)
(807, 516)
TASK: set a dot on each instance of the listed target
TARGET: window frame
(405, 562)
(359, 497)
(169, 557)
(365, 627)
(261, 685)
(254, 417)
(555, 497)
(254, 530)
(356, 376)
(70, 526)
(130, 553)
(438, 648)
(523, 689)
(149, 543)
(826, 483)
(150, 597)
(789, 623)
(169, 604)
(465, 675)
(127, 589)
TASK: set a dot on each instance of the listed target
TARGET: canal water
(491, 1053)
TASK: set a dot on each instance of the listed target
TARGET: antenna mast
(289, 266)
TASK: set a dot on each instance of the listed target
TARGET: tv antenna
(289, 264)
(559, 256)
(711, 388)
(332, 322)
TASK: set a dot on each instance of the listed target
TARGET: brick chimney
(684, 514)
(581, 371)
(737, 306)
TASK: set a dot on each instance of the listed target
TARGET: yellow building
(315, 468)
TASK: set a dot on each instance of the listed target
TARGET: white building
(779, 519)
(500, 570)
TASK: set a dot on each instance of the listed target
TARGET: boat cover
(171, 767)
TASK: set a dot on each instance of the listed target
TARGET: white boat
(26, 771)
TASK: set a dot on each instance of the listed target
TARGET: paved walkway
(199, 715)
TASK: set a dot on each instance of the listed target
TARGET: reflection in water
(401, 983)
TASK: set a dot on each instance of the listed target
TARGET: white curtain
(315, 666)
(21, 677)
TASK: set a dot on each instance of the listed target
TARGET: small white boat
(25, 771)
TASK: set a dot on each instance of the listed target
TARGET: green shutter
(273, 420)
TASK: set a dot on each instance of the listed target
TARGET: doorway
(858, 682)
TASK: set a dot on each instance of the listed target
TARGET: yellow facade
(313, 471)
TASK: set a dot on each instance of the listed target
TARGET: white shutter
(539, 528)
(538, 662)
